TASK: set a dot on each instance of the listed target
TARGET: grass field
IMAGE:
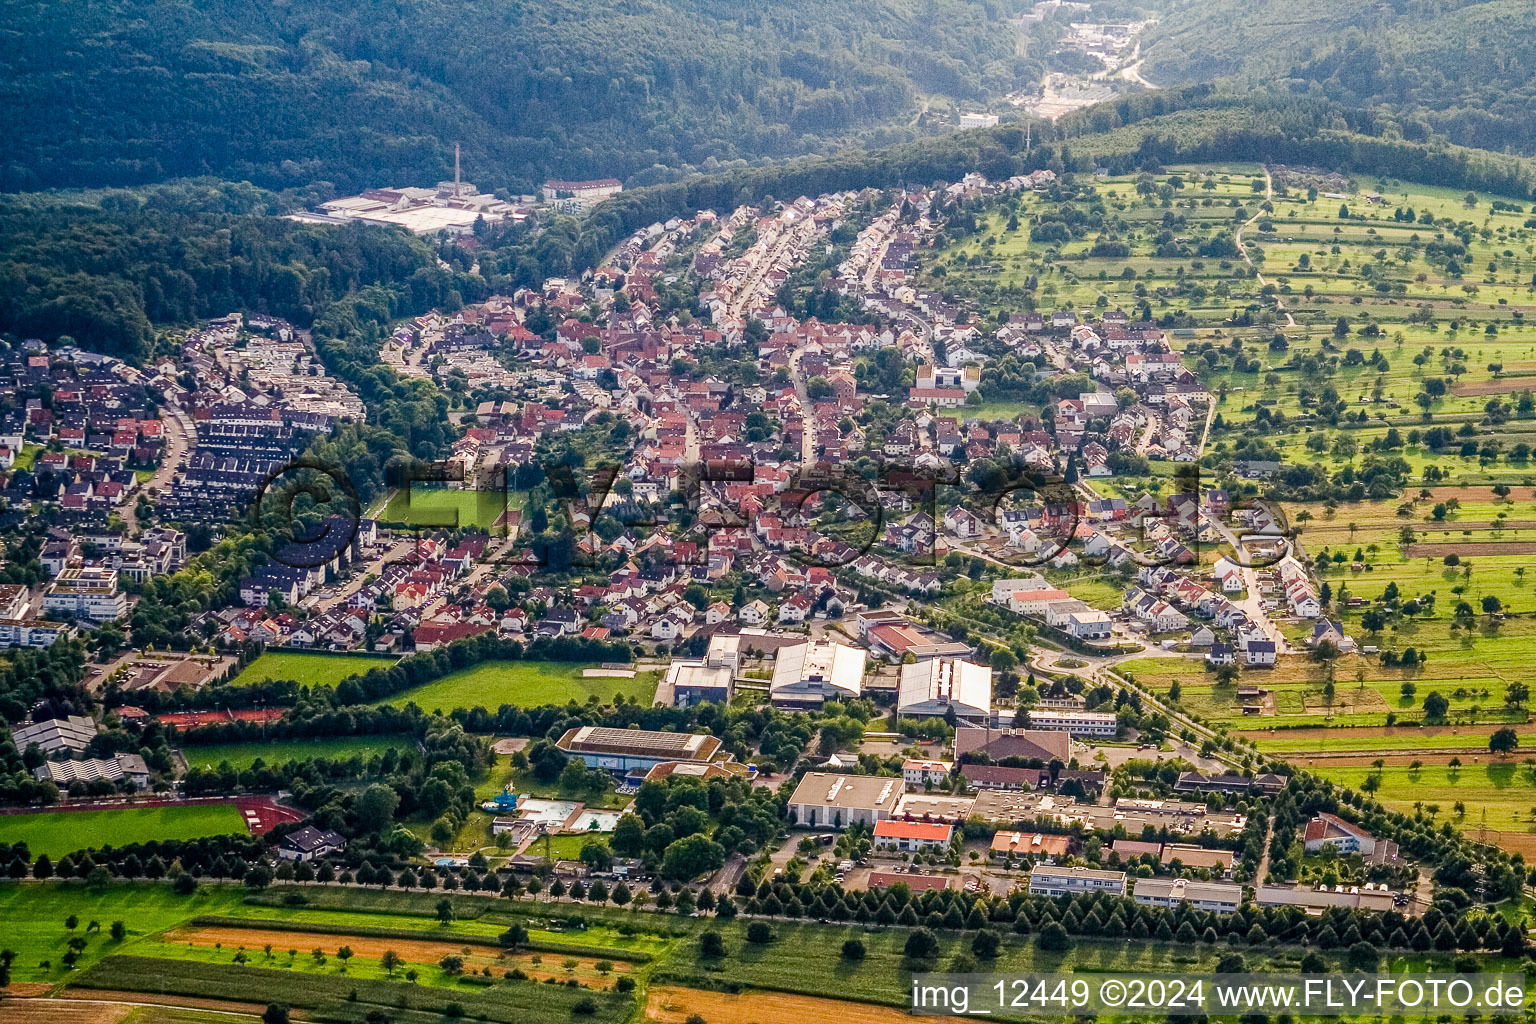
(310, 669)
(428, 506)
(1393, 741)
(34, 919)
(523, 683)
(1501, 795)
(64, 832)
(565, 847)
(242, 755)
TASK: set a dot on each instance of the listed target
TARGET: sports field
(59, 832)
(242, 755)
(524, 683)
(427, 506)
(310, 669)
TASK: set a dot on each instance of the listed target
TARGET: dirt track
(1322, 732)
(49, 1011)
(1472, 548)
(1365, 758)
(229, 1006)
(668, 1005)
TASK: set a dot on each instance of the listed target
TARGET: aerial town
(752, 589)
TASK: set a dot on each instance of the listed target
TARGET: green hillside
(376, 92)
(1462, 70)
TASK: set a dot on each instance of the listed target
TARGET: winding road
(1242, 246)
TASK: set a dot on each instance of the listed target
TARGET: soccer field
(59, 832)
(523, 683)
(242, 755)
(310, 669)
(424, 506)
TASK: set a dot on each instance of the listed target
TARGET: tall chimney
(455, 168)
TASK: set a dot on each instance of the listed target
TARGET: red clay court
(193, 719)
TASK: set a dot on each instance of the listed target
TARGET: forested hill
(371, 92)
(1464, 70)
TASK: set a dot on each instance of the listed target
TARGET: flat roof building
(713, 679)
(825, 800)
(935, 807)
(1220, 897)
(1361, 897)
(86, 592)
(940, 687)
(1076, 723)
(807, 675)
(1197, 856)
(1055, 881)
(623, 750)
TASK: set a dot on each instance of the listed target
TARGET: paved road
(807, 411)
(1101, 669)
(179, 434)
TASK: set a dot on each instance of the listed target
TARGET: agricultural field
(1472, 668)
(243, 755)
(1492, 539)
(1417, 303)
(1498, 795)
(524, 683)
(1170, 239)
(421, 505)
(310, 669)
(59, 832)
(34, 919)
(327, 957)
(1396, 742)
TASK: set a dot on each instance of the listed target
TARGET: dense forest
(1464, 69)
(103, 268)
(377, 92)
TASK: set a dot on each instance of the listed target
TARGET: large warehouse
(937, 688)
(623, 750)
(807, 675)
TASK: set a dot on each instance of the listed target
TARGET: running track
(262, 813)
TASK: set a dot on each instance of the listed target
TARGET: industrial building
(824, 800)
(113, 769)
(625, 750)
(944, 687)
(713, 679)
(807, 675)
(55, 735)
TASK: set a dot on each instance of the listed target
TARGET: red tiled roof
(926, 830)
